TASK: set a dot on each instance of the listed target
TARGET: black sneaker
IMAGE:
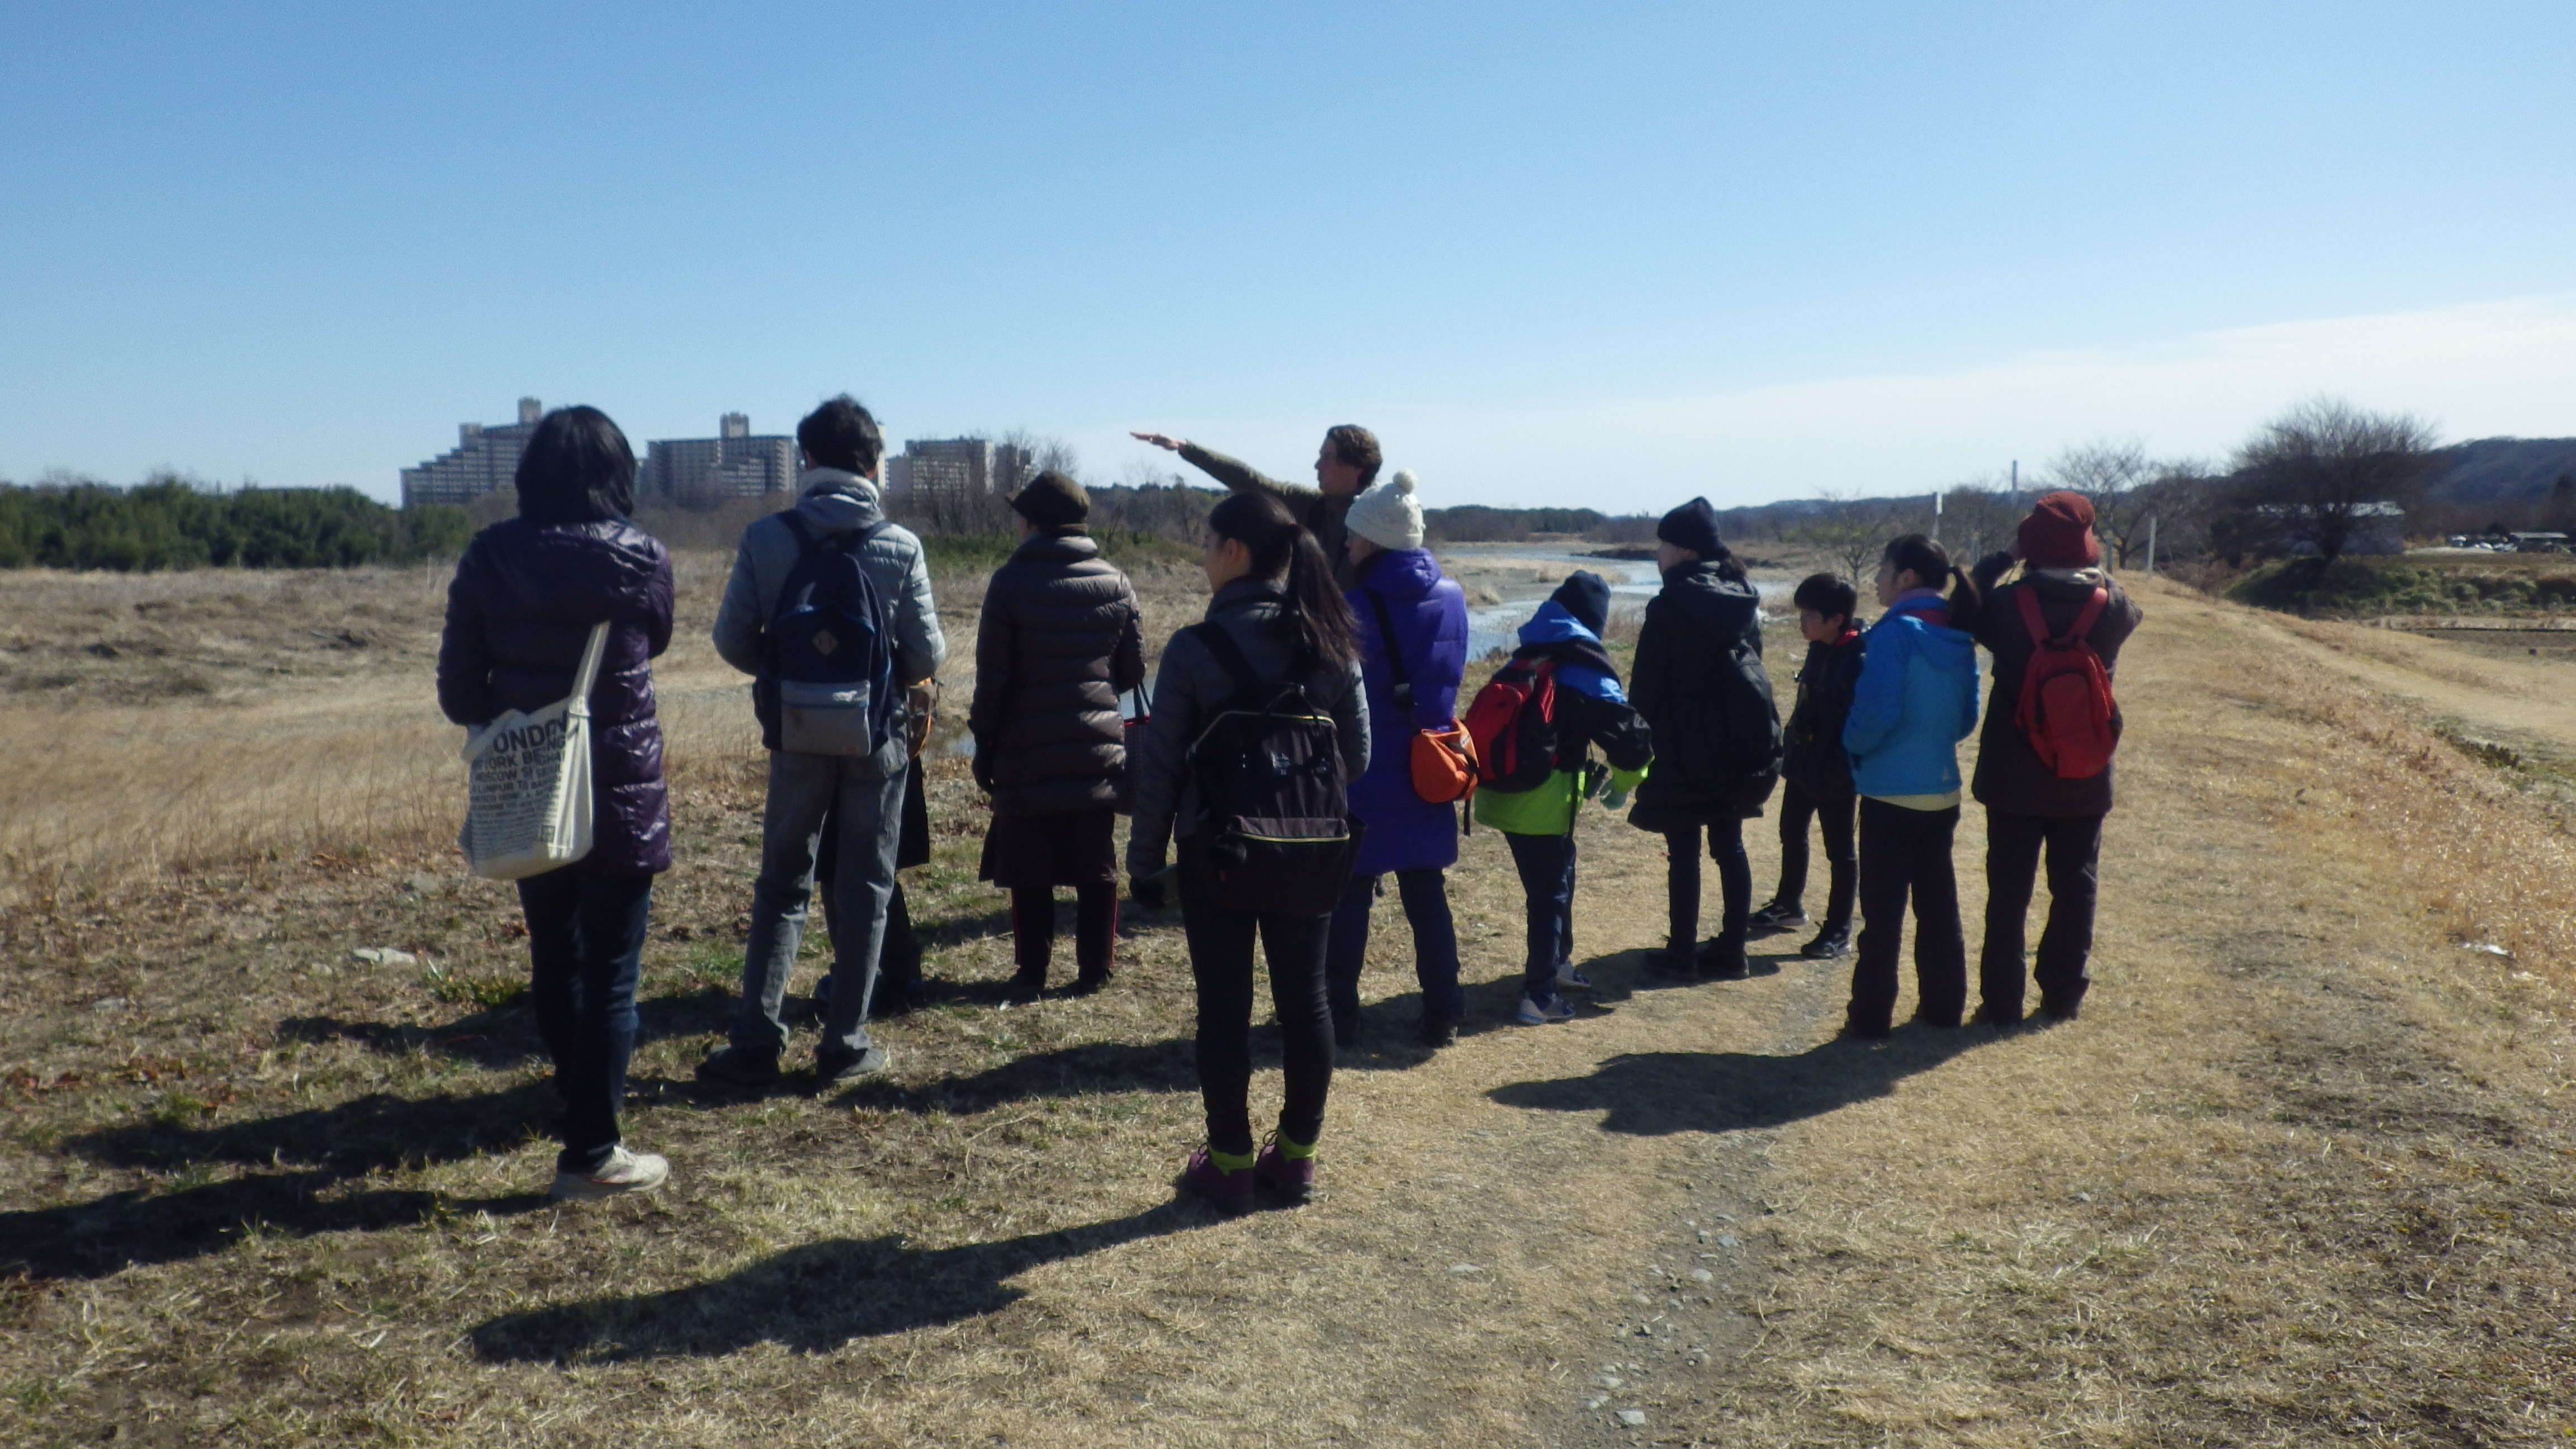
(2058, 1010)
(736, 1067)
(1778, 915)
(1437, 1032)
(1831, 942)
(834, 1067)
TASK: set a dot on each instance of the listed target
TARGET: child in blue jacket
(1915, 700)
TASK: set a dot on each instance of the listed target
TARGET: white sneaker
(1535, 1012)
(623, 1172)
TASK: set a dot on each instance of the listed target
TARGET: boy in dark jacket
(1702, 689)
(1538, 823)
(2027, 804)
(1815, 770)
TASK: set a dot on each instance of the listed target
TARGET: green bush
(168, 524)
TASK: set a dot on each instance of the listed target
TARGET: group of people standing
(1327, 615)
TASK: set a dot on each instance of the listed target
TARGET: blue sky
(1553, 253)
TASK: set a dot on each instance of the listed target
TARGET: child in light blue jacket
(1915, 700)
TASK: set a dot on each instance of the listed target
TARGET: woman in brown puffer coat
(1060, 640)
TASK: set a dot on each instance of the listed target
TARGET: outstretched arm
(1235, 475)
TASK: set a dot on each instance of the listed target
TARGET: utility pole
(2151, 545)
(2016, 484)
(1936, 515)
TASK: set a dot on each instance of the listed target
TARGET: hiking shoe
(739, 1067)
(1997, 1017)
(1025, 985)
(2057, 1010)
(1778, 915)
(1831, 942)
(840, 1065)
(1571, 978)
(623, 1172)
(1289, 1179)
(1720, 962)
(1864, 1030)
(1539, 1011)
(1091, 981)
(1437, 1032)
(1680, 964)
(1227, 1192)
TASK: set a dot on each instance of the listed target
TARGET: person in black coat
(1700, 684)
(1815, 769)
(525, 598)
(1057, 643)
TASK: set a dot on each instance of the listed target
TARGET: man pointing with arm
(1344, 468)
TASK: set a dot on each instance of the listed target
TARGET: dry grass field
(2301, 1174)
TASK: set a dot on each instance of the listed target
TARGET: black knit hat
(1051, 500)
(1693, 526)
(1587, 598)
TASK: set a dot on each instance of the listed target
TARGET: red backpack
(1513, 723)
(2065, 709)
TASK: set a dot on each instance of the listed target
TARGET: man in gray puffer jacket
(842, 448)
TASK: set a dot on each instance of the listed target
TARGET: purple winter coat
(1429, 612)
(520, 611)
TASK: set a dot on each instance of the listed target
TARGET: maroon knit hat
(2059, 533)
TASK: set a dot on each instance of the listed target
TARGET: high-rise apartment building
(484, 460)
(957, 465)
(732, 464)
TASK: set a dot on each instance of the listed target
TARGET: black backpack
(1274, 833)
(826, 684)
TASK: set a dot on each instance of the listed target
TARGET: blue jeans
(585, 945)
(803, 789)
(1425, 894)
(1546, 864)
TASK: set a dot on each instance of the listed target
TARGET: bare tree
(2113, 475)
(1975, 516)
(1849, 530)
(2324, 466)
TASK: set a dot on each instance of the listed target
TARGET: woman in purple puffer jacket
(1401, 593)
(519, 614)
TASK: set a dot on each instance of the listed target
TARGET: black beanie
(1693, 526)
(1587, 598)
(1051, 500)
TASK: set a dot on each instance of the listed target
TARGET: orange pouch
(1444, 765)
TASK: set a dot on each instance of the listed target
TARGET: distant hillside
(2501, 470)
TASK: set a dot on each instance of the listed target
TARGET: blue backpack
(826, 684)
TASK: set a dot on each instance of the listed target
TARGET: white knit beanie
(1388, 517)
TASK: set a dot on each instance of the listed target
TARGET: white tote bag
(528, 810)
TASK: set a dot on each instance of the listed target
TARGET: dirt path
(2299, 1175)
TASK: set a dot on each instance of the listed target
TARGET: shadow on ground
(810, 1299)
(131, 1229)
(1654, 1093)
(506, 1036)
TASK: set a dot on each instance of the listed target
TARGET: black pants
(1095, 930)
(585, 943)
(1907, 853)
(1546, 866)
(1734, 882)
(1833, 820)
(1221, 963)
(1424, 895)
(2074, 880)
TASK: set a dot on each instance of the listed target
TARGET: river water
(1492, 627)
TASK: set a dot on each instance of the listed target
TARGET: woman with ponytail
(1275, 604)
(1915, 700)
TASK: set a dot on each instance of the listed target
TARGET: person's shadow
(1654, 1093)
(811, 1299)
